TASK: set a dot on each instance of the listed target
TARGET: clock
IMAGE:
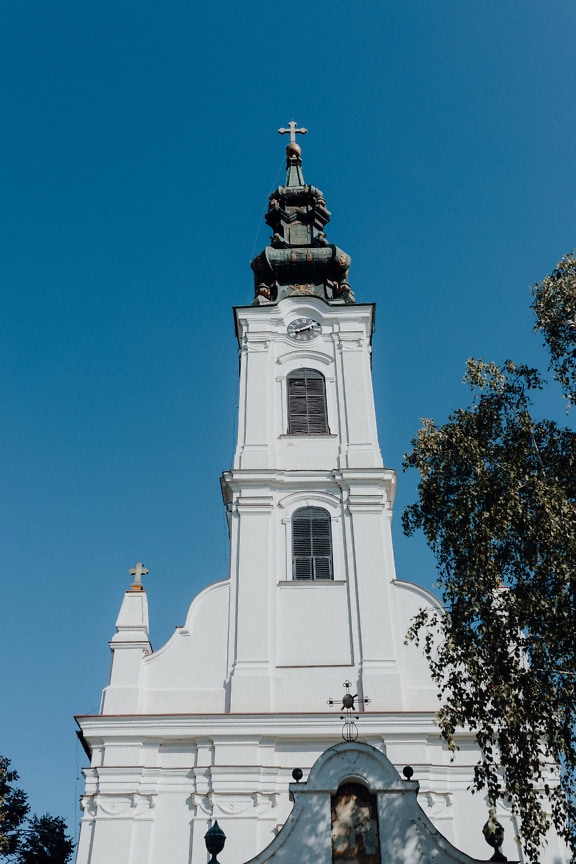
(303, 329)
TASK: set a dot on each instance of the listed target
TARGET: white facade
(212, 724)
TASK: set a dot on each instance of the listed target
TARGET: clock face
(303, 329)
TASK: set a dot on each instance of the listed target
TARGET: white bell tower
(308, 498)
(307, 443)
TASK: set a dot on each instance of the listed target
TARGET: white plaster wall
(189, 671)
(416, 683)
(313, 624)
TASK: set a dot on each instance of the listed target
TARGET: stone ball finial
(293, 149)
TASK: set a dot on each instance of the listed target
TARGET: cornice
(262, 726)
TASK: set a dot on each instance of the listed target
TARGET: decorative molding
(115, 806)
(438, 803)
(245, 503)
(256, 344)
(234, 804)
(308, 498)
(304, 354)
(130, 805)
(227, 805)
(354, 344)
(200, 802)
(88, 805)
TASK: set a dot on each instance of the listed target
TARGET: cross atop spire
(294, 176)
(292, 131)
(137, 572)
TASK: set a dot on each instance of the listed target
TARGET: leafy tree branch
(496, 502)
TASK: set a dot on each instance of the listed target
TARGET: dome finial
(293, 149)
(294, 176)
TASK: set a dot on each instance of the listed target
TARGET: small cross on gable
(292, 131)
(137, 572)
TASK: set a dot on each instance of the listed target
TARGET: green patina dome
(299, 259)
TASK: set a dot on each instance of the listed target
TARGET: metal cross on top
(349, 709)
(292, 131)
(137, 572)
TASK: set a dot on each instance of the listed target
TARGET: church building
(212, 725)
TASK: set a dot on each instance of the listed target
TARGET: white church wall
(188, 672)
(313, 624)
(417, 685)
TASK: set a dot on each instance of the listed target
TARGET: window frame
(309, 399)
(319, 540)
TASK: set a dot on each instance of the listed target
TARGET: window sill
(308, 435)
(282, 582)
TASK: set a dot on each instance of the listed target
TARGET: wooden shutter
(307, 413)
(311, 544)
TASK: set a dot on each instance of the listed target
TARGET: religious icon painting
(354, 826)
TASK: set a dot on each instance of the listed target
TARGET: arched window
(311, 544)
(307, 413)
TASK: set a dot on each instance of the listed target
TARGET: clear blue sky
(137, 151)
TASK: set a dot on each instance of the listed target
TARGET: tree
(13, 808)
(25, 839)
(496, 502)
(555, 309)
(45, 842)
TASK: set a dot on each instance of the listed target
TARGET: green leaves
(45, 842)
(14, 808)
(555, 308)
(496, 502)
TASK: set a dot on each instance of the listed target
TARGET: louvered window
(307, 403)
(311, 544)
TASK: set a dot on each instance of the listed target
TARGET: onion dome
(299, 259)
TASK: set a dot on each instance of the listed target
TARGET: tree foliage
(45, 841)
(555, 308)
(13, 808)
(496, 502)
(25, 839)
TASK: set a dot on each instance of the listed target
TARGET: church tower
(212, 724)
(309, 501)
